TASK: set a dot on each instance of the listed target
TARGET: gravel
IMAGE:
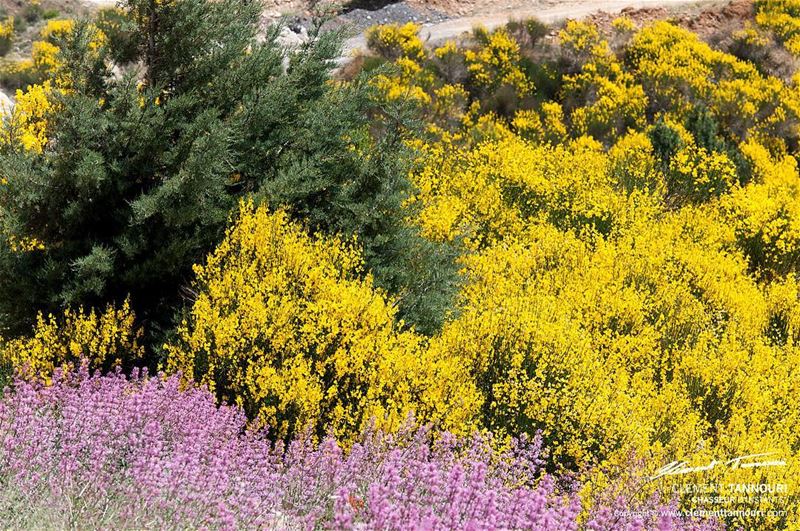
(358, 20)
(399, 13)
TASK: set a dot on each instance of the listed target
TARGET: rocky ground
(30, 18)
(18, 7)
(443, 19)
(440, 19)
(357, 15)
(706, 20)
(360, 19)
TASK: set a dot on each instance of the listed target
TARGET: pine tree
(144, 163)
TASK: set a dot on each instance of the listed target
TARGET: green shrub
(139, 174)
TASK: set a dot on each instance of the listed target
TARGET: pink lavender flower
(131, 453)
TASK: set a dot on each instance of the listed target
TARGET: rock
(6, 105)
(292, 37)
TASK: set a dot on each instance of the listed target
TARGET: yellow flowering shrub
(784, 312)
(24, 245)
(633, 164)
(44, 62)
(699, 174)
(783, 18)
(45, 56)
(401, 45)
(488, 193)
(678, 71)
(582, 42)
(415, 76)
(766, 213)
(528, 124)
(449, 103)
(45, 52)
(542, 125)
(103, 339)
(412, 82)
(610, 318)
(535, 351)
(27, 126)
(623, 24)
(553, 121)
(496, 62)
(6, 34)
(394, 41)
(449, 61)
(284, 326)
(19, 73)
(615, 105)
(751, 36)
(605, 100)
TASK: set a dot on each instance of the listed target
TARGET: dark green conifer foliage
(143, 168)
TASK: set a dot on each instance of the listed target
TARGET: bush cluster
(584, 238)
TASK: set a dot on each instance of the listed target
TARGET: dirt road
(545, 10)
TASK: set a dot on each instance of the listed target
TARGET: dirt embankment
(19, 7)
(551, 11)
(705, 19)
(442, 19)
(446, 19)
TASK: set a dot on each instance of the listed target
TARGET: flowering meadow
(538, 277)
(111, 452)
